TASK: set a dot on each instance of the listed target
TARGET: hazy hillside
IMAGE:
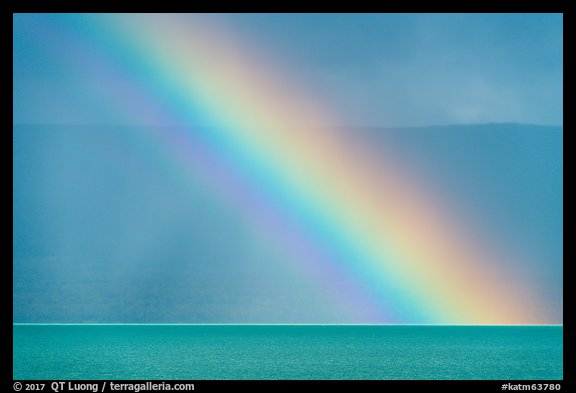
(104, 230)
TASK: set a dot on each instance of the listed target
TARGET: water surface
(286, 352)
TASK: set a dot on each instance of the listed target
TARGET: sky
(378, 69)
(257, 168)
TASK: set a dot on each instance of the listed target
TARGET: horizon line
(269, 324)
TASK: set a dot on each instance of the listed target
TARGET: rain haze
(151, 183)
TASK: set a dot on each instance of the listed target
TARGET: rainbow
(359, 222)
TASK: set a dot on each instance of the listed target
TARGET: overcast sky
(377, 69)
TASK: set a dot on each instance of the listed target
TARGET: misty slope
(104, 233)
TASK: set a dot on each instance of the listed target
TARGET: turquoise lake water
(286, 352)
